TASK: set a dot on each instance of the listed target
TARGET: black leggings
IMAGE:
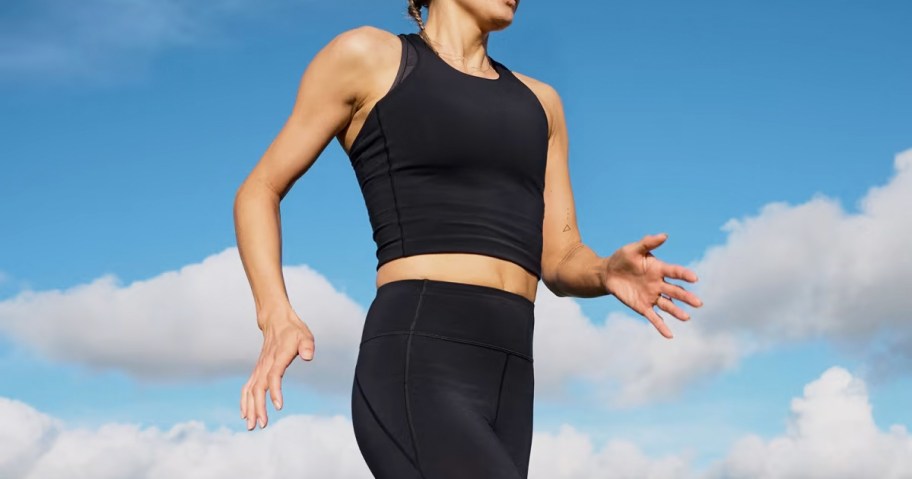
(444, 386)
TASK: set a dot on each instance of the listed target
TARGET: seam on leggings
(408, 351)
(503, 374)
(451, 338)
(379, 422)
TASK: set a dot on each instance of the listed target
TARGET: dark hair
(414, 10)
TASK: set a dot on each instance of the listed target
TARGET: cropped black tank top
(453, 163)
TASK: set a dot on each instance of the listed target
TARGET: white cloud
(789, 273)
(831, 434)
(795, 271)
(814, 270)
(196, 322)
(36, 446)
(99, 38)
(626, 359)
(199, 322)
(570, 454)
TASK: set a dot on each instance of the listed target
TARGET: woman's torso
(463, 267)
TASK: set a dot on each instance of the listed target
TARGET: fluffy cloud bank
(626, 360)
(192, 323)
(831, 434)
(787, 274)
(36, 446)
(199, 322)
(815, 270)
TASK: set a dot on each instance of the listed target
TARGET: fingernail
(261, 423)
(277, 404)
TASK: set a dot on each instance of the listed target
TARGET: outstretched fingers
(674, 291)
(675, 271)
(284, 357)
(259, 396)
(251, 409)
(667, 305)
(658, 322)
(244, 391)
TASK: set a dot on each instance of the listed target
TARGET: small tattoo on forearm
(567, 225)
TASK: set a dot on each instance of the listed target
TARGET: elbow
(555, 290)
(549, 278)
(253, 186)
(240, 195)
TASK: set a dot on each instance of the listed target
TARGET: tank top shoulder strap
(408, 61)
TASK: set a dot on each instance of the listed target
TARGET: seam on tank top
(408, 351)
(377, 418)
(389, 173)
(503, 374)
(451, 338)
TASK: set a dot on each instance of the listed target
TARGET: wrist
(605, 274)
(269, 313)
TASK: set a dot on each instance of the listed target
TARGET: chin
(502, 19)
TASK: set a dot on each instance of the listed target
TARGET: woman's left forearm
(580, 273)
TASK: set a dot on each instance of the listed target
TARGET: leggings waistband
(469, 313)
(440, 286)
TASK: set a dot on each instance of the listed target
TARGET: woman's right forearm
(258, 227)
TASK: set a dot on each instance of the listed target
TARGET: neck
(452, 33)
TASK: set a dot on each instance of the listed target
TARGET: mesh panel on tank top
(450, 162)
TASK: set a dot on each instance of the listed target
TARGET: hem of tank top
(397, 83)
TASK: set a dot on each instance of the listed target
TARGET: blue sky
(767, 139)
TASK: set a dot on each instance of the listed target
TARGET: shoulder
(362, 49)
(363, 41)
(353, 63)
(547, 95)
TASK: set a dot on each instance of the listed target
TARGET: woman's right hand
(285, 336)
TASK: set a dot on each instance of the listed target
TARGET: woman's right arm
(334, 84)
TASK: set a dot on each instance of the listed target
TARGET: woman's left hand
(637, 278)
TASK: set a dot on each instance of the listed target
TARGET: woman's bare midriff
(462, 268)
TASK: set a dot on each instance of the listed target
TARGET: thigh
(514, 418)
(453, 393)
(378, 409)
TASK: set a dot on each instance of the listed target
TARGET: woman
(463, 166)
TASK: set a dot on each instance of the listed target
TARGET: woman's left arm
(571, 268)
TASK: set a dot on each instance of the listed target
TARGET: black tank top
(453, 163)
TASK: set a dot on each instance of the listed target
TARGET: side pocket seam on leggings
(380, 423)
(503, 374)
(408, 351)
